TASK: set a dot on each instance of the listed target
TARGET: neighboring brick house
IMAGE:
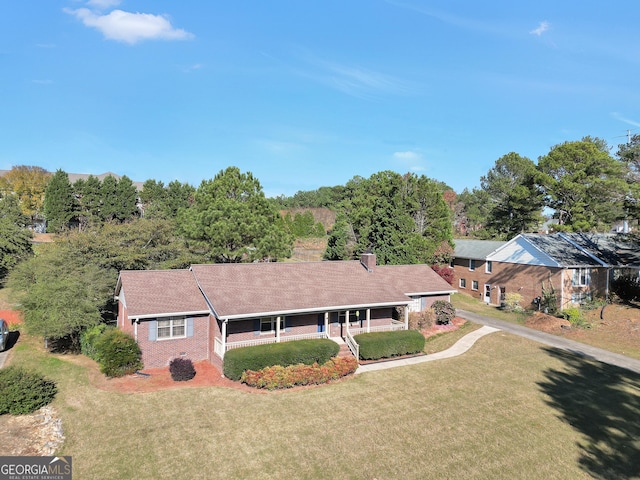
(202, 312)
(579, 266)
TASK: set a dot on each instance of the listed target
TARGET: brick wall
(526, 280)
(158, 353)
(523, 279)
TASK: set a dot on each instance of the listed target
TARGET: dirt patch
(43, 238)
(547, 323)
(309, 249)
(615, 328)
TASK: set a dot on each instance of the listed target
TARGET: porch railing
(352, 344)
(264, 341)
(395, 325)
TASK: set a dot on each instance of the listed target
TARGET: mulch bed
(13, 317)
(455, 324)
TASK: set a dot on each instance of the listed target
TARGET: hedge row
(284, 354)
(277, 377)
(23, 391)
(374, 346)
(117, 352)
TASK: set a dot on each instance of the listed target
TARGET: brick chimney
(368, 261)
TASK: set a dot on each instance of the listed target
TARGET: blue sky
(310, 93)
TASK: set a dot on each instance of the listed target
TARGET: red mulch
(455, 324)
(153, 379)
(13, 317)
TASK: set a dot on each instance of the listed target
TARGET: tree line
(106, 226)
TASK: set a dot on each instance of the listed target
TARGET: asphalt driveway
(553, 341)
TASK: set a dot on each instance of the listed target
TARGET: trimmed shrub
(88, 339)
(22, 391)
(277, 376)
(256, 358)
(181, 369)
(374, 346)
(575, 317)
(118, 353)
(445, 312)
(512, 302)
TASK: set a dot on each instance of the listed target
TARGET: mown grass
(507, 408)
(465, 302)
(442, 341)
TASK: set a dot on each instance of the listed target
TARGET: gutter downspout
(564, 270)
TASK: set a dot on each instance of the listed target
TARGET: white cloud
(103, 4)
(353, 80)
(541, 28)
(407, 156)
(412, 161)
(624, 119)
(192, 68)
(130, 27)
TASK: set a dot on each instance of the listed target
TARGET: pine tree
(59, 202)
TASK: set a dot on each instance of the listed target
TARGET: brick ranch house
(202, 312)
(579, 266)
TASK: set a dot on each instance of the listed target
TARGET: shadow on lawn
(602, 402)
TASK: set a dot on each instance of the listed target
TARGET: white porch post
(326, 324)
(368, 320)
(346, 320)
(406, 317)
(278, 329)
(224, 336)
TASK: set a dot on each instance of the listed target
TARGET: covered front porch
(338, 325)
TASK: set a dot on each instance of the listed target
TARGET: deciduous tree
(28, 183)
(402, 219)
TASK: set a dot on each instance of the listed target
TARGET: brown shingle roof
(237, 290)
(156, 292)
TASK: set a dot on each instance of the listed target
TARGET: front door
(487, 293)
(320, 322)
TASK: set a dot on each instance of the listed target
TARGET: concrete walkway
(3, 356)
(461, 346)
(572, 346)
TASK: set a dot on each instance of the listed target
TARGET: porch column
(406, 317)
(326, 324)
(368, 320)
(278, 329)
(346, 320)
(224, 337)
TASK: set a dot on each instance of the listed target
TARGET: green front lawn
(508, 408)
